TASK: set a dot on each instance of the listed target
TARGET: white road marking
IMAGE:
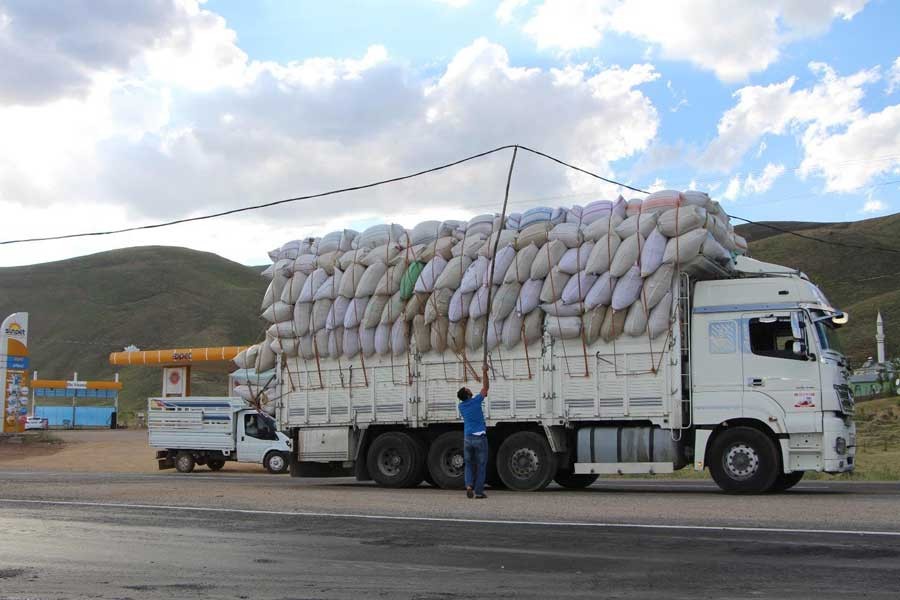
(467, 521)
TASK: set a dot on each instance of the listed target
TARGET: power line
(418, 174)
(265, 205)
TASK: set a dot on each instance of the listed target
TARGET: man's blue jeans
(475, 451)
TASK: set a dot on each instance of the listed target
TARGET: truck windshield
(827, 332)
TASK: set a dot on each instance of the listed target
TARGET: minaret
(879, 337)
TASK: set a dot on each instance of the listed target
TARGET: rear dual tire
(396, 459)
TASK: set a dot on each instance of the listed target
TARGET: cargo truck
(750, 382)
(212, 431)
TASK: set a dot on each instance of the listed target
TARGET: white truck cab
(764, 350)
(211, 431)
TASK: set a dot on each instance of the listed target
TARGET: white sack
(658, 284)
(389, 284)
(369, 280)
(354, 314)
(512, 330)
(305, 263)
(278, 312)
(475, 333)
(613, 324)
(504, 258)
(627, 289)
(336, 343)
(575, 259)
(399, 337)
(529, 296)
(602, 226)
(374, 308)
(479, 305)
(438, 305)
(338, 313)
(564, 328)
(642, 223)
(578, 287)
(367, 340)
(456, 336)
(536, 233)
(547, 257)
(568, 233)
(383, 339)
(301, 317)
(636, 319)
(505, 301)
(438, 334)
(452, 274)
(652, 252)
(602, 254)
(474, 275)
(591, 322)
(679, 221)
(520, 269)
(533, 327)
(350, 280)
(494, 332)
(459, 305)
(626, 256)
(601, 292)
(319, 315)
(685, 247)
(350, 342)
(659, 321)
(329, 289)
(392, 309)
(554, 284)
(558, 309)
(429, 275)
(421, 334)
(312, 285)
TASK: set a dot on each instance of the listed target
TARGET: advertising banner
(13, 372)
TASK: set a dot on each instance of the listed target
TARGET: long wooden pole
(512, 164)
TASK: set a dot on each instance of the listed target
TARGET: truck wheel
(215, 464)
(276, 463)
(396, 460)
(743, 460)
(446, 462)
(525, 462)
(575, 481)
(786, 481)
(184, 462)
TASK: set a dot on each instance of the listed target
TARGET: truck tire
(525, 462)
(215, 464)
(184, 462)
(395, 459)
(575, 481)
(276, 462)
(786, 481)
(446, 462)
(744, 460)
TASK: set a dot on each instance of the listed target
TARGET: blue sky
(781, 110)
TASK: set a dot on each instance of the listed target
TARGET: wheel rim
(524, 463)
(741, 461)
(184, 462)
(390, 462)
(276, 462)
(453, 462)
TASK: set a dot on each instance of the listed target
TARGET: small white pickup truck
(211, 431)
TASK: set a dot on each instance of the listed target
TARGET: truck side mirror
(796, 326)
(798, 348)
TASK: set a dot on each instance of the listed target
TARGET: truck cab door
(255, 435)
(781, 376)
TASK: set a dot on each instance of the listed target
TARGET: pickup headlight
(840, 446)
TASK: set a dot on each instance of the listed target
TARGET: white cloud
(850, 159)
(873, 206)
(507, 9)
(761, 184)
(221, 131)
(455, 3)
(894, 77)
(570, 24)
(734, 188)
(778, 108)
(752, 184)
(732, 38)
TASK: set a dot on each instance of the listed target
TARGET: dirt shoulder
(97, 451)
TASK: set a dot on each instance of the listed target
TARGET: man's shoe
(469, 493)
(481, 496)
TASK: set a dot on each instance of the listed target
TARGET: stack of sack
(593, 272)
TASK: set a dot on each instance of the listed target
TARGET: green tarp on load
(408, 283)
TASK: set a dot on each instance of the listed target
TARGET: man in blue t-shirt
(475, 443)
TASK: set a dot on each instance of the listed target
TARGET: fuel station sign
(13, 369)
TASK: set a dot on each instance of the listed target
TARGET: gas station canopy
(216, 358)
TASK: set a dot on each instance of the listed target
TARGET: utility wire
(418, 174)
(265, 205)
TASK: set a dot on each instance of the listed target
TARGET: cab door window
(773, 337)
(259, 427)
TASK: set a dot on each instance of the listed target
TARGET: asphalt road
(199, 536)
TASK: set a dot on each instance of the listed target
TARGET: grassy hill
(859, 281)
(154, 297)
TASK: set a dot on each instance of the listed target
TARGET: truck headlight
(840, 446)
